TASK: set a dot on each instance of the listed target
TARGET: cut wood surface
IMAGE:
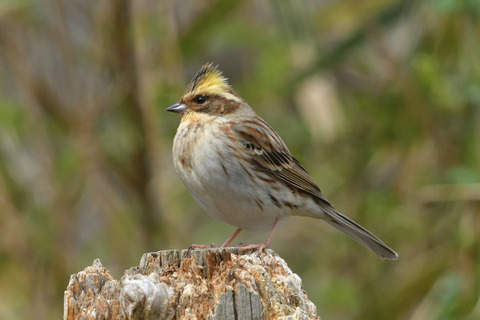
(197, 284)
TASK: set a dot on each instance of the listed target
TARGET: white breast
(208, 166)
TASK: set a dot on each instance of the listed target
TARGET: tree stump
(197, 284)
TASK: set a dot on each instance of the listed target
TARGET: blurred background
(379, 99)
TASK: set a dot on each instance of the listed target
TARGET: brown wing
(269, 154)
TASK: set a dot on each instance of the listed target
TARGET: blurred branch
(324, 61)
(33, 86)
(125, 61)
(195, 38)
(450, 192)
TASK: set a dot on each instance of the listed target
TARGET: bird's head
(208, 94)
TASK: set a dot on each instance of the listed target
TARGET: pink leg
(262, 246)
(201, 246)
(229, 240)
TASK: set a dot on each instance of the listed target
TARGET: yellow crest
(208, 78)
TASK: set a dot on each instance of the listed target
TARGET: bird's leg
(230, 239)
(262, 246)
(225, 244)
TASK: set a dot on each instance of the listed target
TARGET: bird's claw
(200, 246)
(260, 247)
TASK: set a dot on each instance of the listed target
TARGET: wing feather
(269, 154)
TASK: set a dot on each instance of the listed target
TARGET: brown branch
(139, 175)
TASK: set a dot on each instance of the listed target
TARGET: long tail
(358, 233)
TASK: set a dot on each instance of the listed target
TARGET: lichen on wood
(197, 284)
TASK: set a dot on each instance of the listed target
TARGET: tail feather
(359, 234)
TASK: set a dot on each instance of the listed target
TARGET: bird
(241, 172)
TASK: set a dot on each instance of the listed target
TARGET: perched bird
(241, 172)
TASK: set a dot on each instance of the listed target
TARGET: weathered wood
(200, 284)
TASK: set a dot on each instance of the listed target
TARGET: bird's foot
(200, 246)
(260, 247)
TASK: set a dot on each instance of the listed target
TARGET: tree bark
(197, 284)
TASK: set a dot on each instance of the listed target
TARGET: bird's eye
(200, 99)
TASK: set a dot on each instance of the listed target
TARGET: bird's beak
(177, 107)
